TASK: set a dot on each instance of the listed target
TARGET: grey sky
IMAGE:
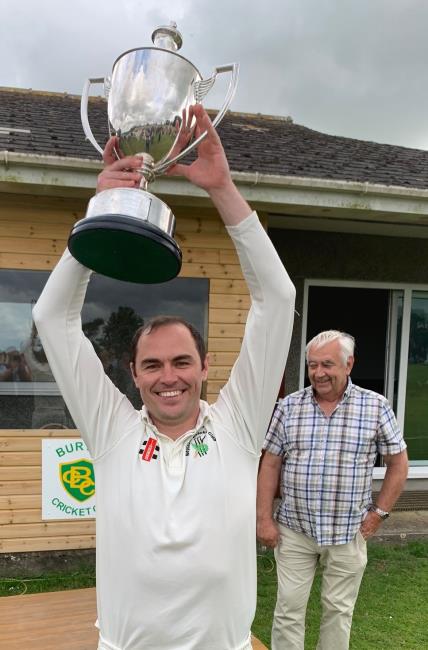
(355, 68)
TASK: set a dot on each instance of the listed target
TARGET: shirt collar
(348, 390)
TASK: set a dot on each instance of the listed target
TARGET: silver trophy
(127, 234)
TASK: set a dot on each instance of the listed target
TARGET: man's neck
(328, 404)
(173, 430)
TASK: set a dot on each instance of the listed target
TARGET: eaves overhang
(290, 201)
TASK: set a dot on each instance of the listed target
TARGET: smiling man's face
(168, 373)
(327, 370)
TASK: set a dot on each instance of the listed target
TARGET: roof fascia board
(42, 174)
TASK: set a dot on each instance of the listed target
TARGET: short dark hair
(162, 321)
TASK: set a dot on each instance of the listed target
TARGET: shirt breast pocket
(362, 452)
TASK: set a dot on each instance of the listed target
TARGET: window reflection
(16, 325)
(29, 397)
(416, 412)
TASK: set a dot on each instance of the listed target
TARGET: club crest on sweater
(199, 442)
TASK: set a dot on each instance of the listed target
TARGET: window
(29, 397)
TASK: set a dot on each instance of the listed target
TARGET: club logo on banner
(68, 480)
(78, 479)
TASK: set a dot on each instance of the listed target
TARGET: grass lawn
(392, 608)
(79, 579)
(391, 611)
(415, 421)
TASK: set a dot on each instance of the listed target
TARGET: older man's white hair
(346, 342)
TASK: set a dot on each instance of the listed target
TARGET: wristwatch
(382, 513)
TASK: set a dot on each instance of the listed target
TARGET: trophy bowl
(127, 234)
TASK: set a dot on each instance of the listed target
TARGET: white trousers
(343, 566)
(105, 645)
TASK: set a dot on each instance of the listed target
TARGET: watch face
(381, 513)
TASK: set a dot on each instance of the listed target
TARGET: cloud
(338, 66)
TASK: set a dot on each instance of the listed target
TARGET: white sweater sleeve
(98, 408)
(246, 403)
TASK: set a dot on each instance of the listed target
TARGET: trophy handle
(84, 112)
(201, 89)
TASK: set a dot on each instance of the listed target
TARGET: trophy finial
(167, 37)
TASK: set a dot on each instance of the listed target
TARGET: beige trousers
(343, 566)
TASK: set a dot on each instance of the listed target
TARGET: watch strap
(383, 514)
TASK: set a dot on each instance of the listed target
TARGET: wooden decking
(58, 620)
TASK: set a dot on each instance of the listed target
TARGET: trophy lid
(167, 37)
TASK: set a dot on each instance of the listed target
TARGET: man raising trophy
(176, 480)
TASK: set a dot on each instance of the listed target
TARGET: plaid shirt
(326, 479)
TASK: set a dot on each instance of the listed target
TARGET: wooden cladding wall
(21, 525)
(33, 234)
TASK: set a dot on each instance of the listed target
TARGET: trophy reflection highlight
(127, 234)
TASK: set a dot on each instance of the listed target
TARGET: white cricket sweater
(176, 545)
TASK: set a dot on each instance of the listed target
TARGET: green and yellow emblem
(78, 479)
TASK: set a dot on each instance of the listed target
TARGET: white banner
(68, 480)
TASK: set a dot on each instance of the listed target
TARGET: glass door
(391, 331)
(416, 401)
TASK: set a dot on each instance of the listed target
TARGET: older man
(323, 441)
(176, 481)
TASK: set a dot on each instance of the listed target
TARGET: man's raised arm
(250, 394)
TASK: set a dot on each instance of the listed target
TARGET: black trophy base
(125, 248)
